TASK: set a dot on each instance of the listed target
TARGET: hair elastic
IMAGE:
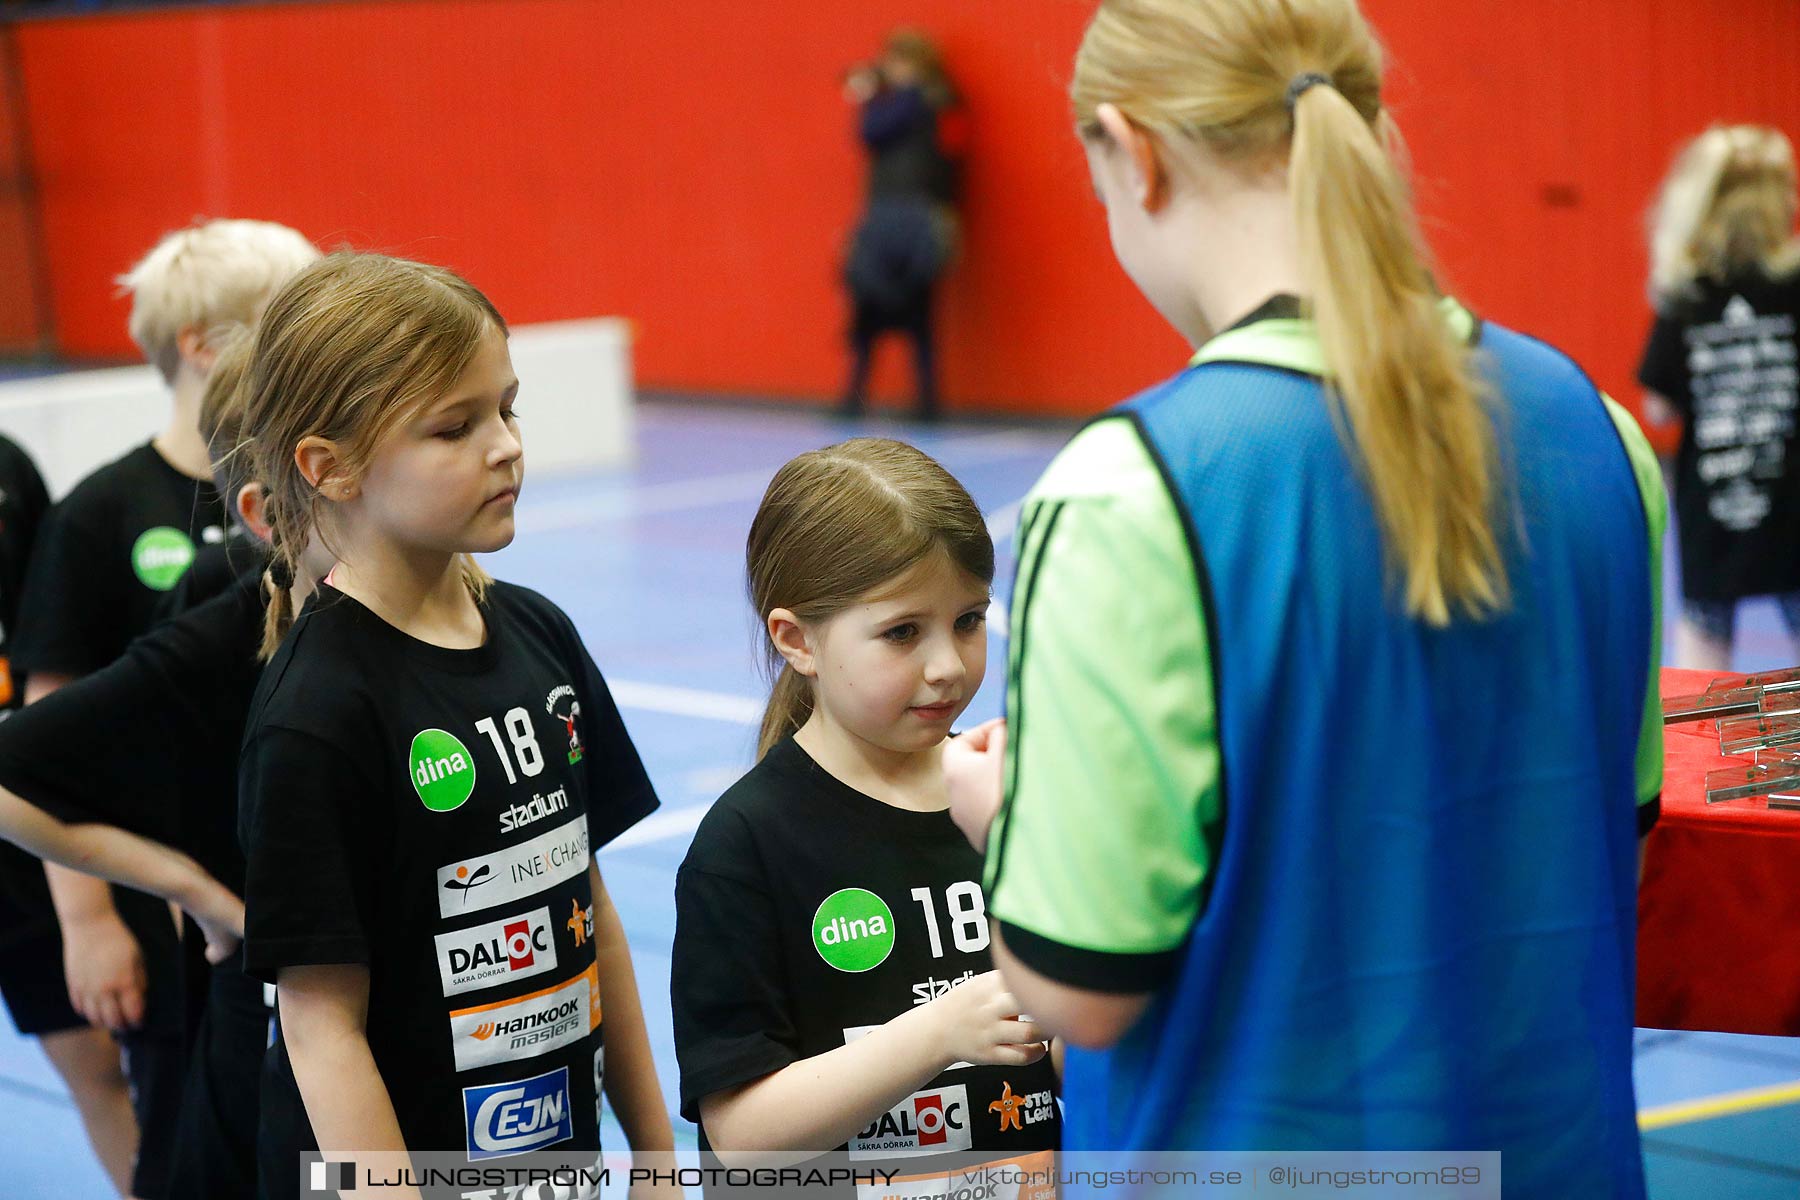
(1301, 83)
(281, 573)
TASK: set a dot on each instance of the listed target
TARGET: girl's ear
(251, 504)
(791, 642)
(1149, 179)
(322, 466)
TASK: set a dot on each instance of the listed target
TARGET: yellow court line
(1722, 1105)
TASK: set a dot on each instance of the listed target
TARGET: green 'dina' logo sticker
(443, 771)
(853, 930)
(160, 555)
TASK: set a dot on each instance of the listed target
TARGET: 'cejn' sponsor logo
(518, 816)
(526, 1026)
(502, 1119)
(932, 1122)
(483, 955)
(516, 872)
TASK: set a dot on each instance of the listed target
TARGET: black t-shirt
(216, 566)
(807, 914)
(150, 742)
(108, 552)
(25, 910)
(23, 502)
(1729, 359)
(431, 813)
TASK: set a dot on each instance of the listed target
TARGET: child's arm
(104, 966)
(778, 1118)
(324, 1023)
(630, 1081)
(128, 858)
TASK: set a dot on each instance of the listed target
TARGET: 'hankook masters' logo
(526, 1026)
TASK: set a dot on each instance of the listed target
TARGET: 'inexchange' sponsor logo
(526, 1026)
(518, 871)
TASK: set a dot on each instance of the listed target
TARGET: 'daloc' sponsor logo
(853, 930)
(526, 1026)
(502, 1119)
(483, 955)
(532, 866)
(443, 771)
(518, 816)
(924, 1123)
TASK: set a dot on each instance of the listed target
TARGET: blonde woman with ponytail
(830, 938)
(1331, 712)
(431, 758)
(1720, 362)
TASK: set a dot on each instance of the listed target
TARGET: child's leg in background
(1703, 640)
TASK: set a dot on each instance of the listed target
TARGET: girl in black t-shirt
(173, 709)
(831, 980)
(1723, 360)
(430, 761)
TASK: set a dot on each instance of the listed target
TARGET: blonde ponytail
(1260, 82)
(1402, 378)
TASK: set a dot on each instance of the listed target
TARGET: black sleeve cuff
(264, 957)
(751, 1062)
(1648, 814)
(1095, 970)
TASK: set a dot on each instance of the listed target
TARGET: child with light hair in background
(1725, 280)
(109, 553)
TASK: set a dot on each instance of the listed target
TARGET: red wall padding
(691, 165)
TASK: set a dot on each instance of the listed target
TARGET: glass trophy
(1750, 735)
(1735, 702)
(1777, 772)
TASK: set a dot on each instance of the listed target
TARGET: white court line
(660, 826)
(673, 496)
(686, 702)
(679, 495)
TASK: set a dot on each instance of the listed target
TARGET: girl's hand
(220, 916)
(105, 971)
(979, 1022)
(972, 766)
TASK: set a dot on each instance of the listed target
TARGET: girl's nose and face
(447, 480)
(898, 668)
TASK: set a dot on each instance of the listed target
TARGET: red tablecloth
(1719, 911)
